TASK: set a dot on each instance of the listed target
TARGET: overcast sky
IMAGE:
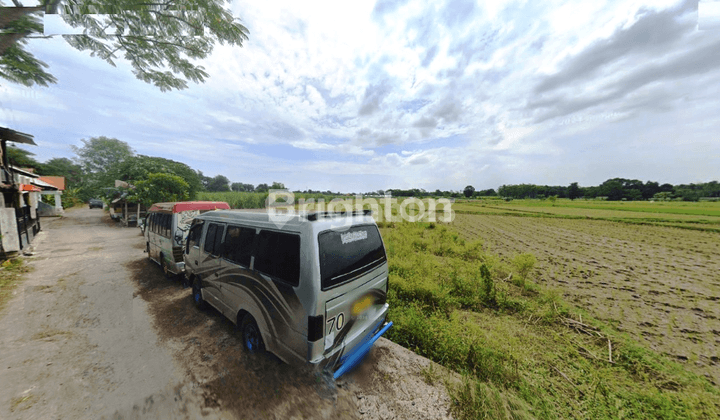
(360, 96)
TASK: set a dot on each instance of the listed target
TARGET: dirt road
(96, 331)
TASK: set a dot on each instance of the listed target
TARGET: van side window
(278, 255)
(167, 221)
(194, 236)
(238, 244)
(213, 238)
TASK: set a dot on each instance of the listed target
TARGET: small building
(19, 221)
(53, 189)
(52, 186)
(127, 212)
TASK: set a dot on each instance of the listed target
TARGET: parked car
(311, 289)
(96, 203)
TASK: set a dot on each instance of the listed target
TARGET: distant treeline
(419, 192)
(616, 189)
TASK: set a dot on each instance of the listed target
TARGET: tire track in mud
(659, 284)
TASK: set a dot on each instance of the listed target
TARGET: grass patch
(50, 334)
(11, 273)
(22, 403)
(254, 200)
(523, 352)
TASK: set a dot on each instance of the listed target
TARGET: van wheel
(197, 294)
(166, 271)
(251, 335)
(147, 249)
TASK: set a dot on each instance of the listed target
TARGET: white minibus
(166, 228)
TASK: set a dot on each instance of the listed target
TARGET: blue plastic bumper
(358, 353)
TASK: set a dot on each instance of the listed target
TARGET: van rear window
(347, 254)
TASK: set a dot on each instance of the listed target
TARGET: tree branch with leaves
(162, 40)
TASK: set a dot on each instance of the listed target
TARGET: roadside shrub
(492, 366)
(488, 286)
(523, 263)
(71, 198)
(475, 399)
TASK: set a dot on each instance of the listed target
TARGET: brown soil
(659, 284)
(96, 331)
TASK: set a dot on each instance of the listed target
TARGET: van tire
(147, 249)
(166, 270)
(197, 294)
(252, 339)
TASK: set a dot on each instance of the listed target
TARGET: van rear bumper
(179, 268)
(356, 355)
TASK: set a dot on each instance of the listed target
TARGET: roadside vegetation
(12, 272)
(256, 200)
(523, 352)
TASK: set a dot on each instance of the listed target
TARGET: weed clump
(488, 286)
(523, 263)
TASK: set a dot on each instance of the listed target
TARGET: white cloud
(429, 95)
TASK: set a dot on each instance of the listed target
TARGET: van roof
(295, 219)
(179, 206)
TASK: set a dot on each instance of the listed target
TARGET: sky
(361, 96)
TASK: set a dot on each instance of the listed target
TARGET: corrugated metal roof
(44, 185)
(16, 136)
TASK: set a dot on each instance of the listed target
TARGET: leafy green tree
(96, 157)
(240, 187)
(158, 188)
(162, 39)
(204, 180)
(666, 188)
(218, 184)
(468, 191)
(633, 195)
(573, 191)
(138, 167)
(17, 65)
(277, 186)
(63, 167)
(612, 189)
(22, 158)
(99, 153)
(650, 189)
(262, 188)
(662, 196)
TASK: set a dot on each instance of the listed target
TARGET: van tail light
(315, 328)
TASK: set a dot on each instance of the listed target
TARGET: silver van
(312, 288)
